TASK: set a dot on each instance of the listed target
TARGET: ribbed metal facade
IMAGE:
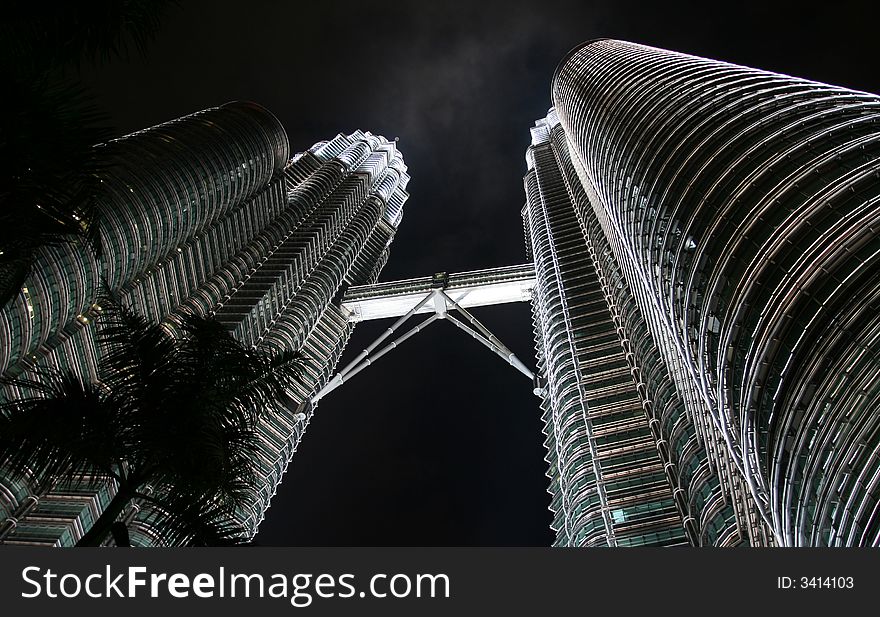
(735, 211)
(208, 213)
(609, 481)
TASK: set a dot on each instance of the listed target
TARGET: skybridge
(443, 296)
(467, 289)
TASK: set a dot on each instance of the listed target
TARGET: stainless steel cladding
(741, 208)
(209, 214)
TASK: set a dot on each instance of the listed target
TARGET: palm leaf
(62, 428)
(73, 32)
(177, 407)
(49, 183)
(194, 519)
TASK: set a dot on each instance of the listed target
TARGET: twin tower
(705, 286)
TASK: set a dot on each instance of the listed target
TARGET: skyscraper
(705, 293)
(209, 213)
(707, 254)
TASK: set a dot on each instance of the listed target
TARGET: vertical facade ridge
(742, 208)
(209, 214)
(610, 485)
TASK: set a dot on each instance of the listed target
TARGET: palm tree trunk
(98, 532)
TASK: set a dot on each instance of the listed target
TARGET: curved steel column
(743, 207)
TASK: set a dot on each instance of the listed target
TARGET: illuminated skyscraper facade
(707, 252)
(705, 293)
(610, 484)
(210, 213)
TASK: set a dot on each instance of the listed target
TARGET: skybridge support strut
(488, 339)
(441, 304)
(356, 367)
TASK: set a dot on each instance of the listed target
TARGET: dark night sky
(440, 443)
